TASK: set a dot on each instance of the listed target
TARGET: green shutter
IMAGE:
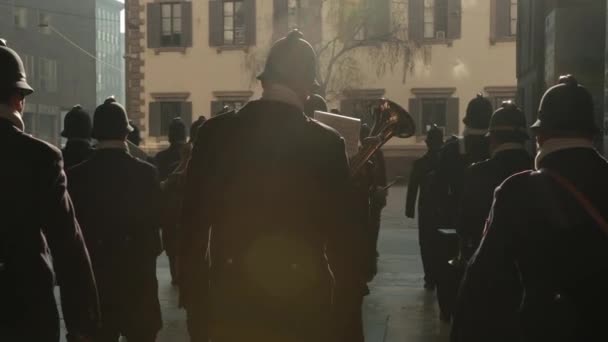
(452, 119)
(154, 117)
(503, 17)
(216, 23)
(250, 22)
(454, 19)
(186, 24)
(415, 109)
(154, 28)
(216, 108)
(186, 113)
(380, 20)
(416, 20)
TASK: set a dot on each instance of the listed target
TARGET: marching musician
(267, 238)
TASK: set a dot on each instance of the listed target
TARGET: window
(234, 100)
(435, 106)
(47, 74)
(503, 20)
(361, 103)
(29, 62)
(434, 112)
(168, 111)
(499, 94)
(435, 19)
(171, 24)
(44, 22)
(20, 17)
(234, 23)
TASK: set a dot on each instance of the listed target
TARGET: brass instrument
(390, 120)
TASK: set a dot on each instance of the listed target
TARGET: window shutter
(250, 22)
(415, 112)
(186, 113)
(312, 26)
(380, 25)
(454, 19)
(493, 19)
(153, 30)
(503, 16)
(279, 18)
(216, 108)
(416, 20)
(186, 24)
(216, 23)
(154, 119)
(453, 118)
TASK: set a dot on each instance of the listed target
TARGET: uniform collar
(12, 115)
(507, 147)
(112, 145)
(280, 93)
(554, 145)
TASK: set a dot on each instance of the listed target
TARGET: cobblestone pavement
(398, 308)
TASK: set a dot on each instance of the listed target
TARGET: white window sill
(180, 49)
(244, 48)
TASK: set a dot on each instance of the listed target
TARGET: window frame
(433, 101)
(176, 39)
(507, 32)
(234, 28)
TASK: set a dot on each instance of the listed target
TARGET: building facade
(191, 58)
(110, 51)
(558, 37)
(44, 34)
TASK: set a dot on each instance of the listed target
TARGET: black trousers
(448, 276)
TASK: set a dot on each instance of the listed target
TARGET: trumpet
(390, 120)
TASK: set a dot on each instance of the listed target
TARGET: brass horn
(390, 120)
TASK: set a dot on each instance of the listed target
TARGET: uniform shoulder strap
(580, 198)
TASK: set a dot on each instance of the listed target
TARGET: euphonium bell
(391, 120)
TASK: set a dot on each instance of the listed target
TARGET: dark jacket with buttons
(540, 237)
(117, 200)
(272, 186)
(37, 219)
(75, 152)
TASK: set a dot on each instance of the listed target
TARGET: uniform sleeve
(70, 257)
(467, 221)
(153, 212)
(491, 291)
(412, 191)
(193, 233)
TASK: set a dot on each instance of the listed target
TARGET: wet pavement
(398, 308)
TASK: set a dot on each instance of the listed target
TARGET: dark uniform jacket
(36, 214)
(167, 160)
(272, 186)
(456, 156)
(75, 152)
(117, 200)
(421, 182)
(560, 254)
(481, 179)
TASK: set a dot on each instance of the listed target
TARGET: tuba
(390, 120)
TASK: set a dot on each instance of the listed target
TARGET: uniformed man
(166, 161)
(37, 215)
(117, 200)
(276, 199)
(77, 129)
(456, 156)
(507, 135)
(550, 226)
(422, 182)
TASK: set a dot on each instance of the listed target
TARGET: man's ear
(18, 102)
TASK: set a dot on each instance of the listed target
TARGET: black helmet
(12, 72)
(110, 121)
(177, 130)
(479, 112)
(509, 119)
(315, 103)
(77, 124)
(434, 136)
(134, 136)
(291, 58)
(195, 127)
(567, 106)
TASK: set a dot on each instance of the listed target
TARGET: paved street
(398, 309)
